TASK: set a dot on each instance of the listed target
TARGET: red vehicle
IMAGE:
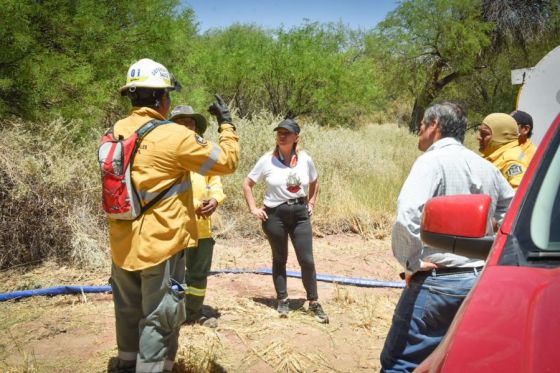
(509, 321)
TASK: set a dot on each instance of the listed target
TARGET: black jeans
(293, 221)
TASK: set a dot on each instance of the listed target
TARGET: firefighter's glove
(220, 110)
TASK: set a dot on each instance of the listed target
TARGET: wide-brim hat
(187, 111)
(290, 125)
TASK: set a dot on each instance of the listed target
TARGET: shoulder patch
(200, 140)
(514, 170)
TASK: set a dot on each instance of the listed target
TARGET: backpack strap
(146, 128)
(143, 131)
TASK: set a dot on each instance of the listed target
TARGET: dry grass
(56, 334)
(49, 186)
(264, 340)
(48, 190)
(360, 171)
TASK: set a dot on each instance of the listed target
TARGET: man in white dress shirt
(437, 282)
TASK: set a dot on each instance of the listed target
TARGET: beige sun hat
(188, 112)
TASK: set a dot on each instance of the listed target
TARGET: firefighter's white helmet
(147, 73)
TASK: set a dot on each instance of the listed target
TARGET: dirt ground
(75, 333)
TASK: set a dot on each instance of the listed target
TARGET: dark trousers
(293, 221)
(198, 264)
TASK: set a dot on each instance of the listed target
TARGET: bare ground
(75, 333)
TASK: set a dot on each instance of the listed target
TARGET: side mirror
(458, 224)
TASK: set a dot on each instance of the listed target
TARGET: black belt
(296, 201)
(449, 271)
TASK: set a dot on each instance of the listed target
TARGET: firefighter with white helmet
(148, 252)
(147, 73)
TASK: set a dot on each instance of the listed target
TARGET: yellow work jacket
(529, 149)
(511, 161)
(164, 158)
(205, 187)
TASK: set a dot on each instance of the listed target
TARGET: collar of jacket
(501, 150)
(146, 112)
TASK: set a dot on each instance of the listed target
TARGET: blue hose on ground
(356, 281)
(59, 290)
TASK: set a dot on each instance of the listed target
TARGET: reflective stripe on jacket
(164, 158)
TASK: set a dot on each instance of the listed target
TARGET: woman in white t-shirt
(291, 192)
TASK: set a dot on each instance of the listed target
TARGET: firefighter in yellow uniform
(148, 253)
(525, 126)
(207, 194)
(497, 137)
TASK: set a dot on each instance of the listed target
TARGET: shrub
(47, 208)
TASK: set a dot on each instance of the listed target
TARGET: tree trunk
(426, 97)
(421, 102)
(416, 116)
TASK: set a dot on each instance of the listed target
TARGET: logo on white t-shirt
(293, 183)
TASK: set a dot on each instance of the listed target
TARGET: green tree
(66, 58)
(315, 70)
(230, 62)
(320, 70)
(427, 44)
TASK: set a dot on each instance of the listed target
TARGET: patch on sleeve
(200, 140)
(514, 170)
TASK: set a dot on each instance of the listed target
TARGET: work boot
(283, 308)
(320, 315)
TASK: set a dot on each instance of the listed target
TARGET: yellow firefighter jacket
(205, 188)
(164, 158)
(511, 160)
(529, 149)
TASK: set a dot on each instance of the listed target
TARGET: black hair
(148, 97)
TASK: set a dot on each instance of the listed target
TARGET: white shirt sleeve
(257, 173)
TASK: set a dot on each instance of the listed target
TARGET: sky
(358, 14)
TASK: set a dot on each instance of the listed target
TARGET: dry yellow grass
(49, 180)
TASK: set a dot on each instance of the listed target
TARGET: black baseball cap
(290, 125)
(522, 117)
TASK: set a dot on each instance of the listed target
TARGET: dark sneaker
(320, 315)
(283, 308)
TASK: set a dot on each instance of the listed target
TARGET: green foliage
(314, 70)
(427, 44)
(66, 58)
(462, 49)
(229, 62)
(319, 70)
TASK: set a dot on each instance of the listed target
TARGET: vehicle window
(535, 237)
(545, 219)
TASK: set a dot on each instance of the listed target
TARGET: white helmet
(147, 73)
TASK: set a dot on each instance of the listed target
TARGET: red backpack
(120, 198)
